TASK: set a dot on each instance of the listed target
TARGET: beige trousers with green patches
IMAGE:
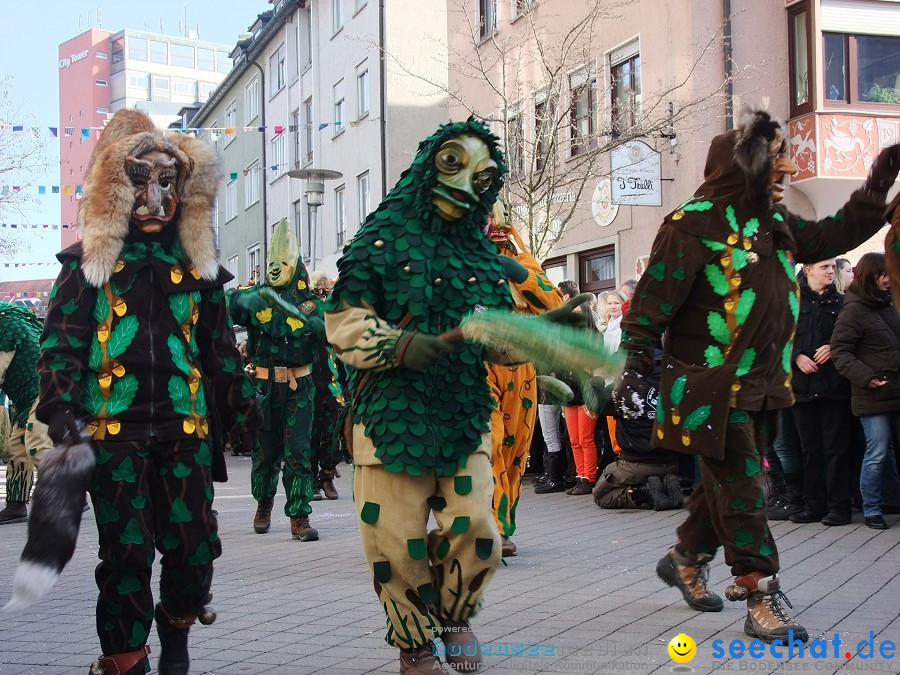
(425, 579)
(26, 447)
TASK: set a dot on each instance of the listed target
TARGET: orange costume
(514, 387)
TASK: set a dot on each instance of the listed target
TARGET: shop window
(597, 270)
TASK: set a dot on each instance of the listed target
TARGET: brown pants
(728, 508)
(612, 488)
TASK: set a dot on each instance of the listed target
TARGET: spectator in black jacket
(642, 477)
(822, 411)
(865, 348)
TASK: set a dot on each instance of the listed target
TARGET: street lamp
(315, 196)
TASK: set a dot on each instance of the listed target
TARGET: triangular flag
(233, 175)
(54, 130)
(246, 172)
(85, 134)
(35, 132)
(279, 130)
(77, 189)
(274, 167)
(18, 127)
(263, 129)
(54, 189)
(67, 189)
(323, 125)
(229, 131)
(42, 190)
(248, 128)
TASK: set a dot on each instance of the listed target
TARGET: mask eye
(483, 180)
(449, 160)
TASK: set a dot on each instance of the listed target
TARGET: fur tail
(54, 521)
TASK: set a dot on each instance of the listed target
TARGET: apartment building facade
(654, 82)
(101, 72)
(326, 100)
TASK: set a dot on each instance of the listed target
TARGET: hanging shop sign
(636, 175)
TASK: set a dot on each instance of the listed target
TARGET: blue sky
(28, 51)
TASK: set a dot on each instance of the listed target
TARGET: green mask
(464, 171)
(284, 252)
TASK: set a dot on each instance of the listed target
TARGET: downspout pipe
(729, 66)
(265, 169)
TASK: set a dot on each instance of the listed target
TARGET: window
(230, 120)
(102, 111)
(230, 200)
(515, 144)
(582, 113)
(597, 270)
(253, 262)
(118, 50)
(184, 88)
(861, 68)
(544, 132)
(279, 155)
(137, 49)
(625, 71)
(101, 55)
(337, 15)
(338, 121)
(362, 90)
(206, 59)
(362, 193)
(182, 56)
(223, 62)
(160, 86)
(304, 41)
(159, 52)
(206, 90)
(276, 70)
(307, 131)
(799, 45)
(487, 18)
(251, 185)
(232, 266)
(300, 208)
(296, 129)
(358, 5)
(251, 100)
(555, 269)
(340, 216)
(141, 82)
(101, 83)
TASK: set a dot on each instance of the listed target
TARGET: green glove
(275, 301)
(556, 391)
(420, 351)
(596, 394)
(516, 272)
(316, 325)
(249, 299)
(566, 313)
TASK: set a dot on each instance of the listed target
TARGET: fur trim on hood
(106, 207)
(756, 131)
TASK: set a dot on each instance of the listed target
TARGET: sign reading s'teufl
(636, 175)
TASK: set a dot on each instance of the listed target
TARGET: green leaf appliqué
(677, 393)
(697, 417)
(718, 328)
(716, 278)
(122, 394)
(745, 304)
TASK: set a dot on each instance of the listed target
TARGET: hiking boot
(806, 516)
(767, 619)
(15, 512)
(689, 573)
(657, 494)
(173, 642)
(420, 660)
(262, 521)
(672, 486)
(508, 549)
(549, 486)
(302, 530)
(328, 489)
(462, 650)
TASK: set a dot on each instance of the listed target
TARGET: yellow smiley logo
(682, 648)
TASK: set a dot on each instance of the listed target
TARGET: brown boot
(688, 572)
(420, 660)
(328, 484)
(766, 618)
(262, 521)
(127, 663)
(462, 650)
(15, 512)
(302, 530)
(508, 549)
(584, 486)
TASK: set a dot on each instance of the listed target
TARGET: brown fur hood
(105, 209)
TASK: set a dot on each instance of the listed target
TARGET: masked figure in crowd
(330, 379)
(282, 331)
(721, 284)
(138, 346)
(420, 407)
(20, 333)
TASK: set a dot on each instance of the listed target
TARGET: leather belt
(280, 374)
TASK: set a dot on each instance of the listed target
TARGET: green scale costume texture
(282, 335)
(20, 333)
(421, 433)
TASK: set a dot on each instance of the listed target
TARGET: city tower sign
(67, 61)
